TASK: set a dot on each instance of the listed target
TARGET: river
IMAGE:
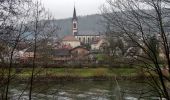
(83, 90)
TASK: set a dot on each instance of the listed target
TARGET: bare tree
(43, 28)
(12, 27)
(17, 19)
(37, 11)
(141, 21)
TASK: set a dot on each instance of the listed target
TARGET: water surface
(83, 90)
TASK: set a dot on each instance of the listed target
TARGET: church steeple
(74, 14)
(74, 23)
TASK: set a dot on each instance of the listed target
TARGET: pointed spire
(74, 14)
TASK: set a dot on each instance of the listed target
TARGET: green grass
(78, 72)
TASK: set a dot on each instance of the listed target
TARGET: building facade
(70, 40)
(83, 38)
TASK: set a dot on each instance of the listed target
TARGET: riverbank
(45, 74)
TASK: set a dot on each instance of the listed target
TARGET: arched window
(88, 40)
(75, 25)
(92, 39)
(84, 40)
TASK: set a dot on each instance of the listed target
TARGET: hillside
(86, 24)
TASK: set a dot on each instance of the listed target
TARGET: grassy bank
(80, 73)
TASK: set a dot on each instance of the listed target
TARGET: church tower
(74, 23)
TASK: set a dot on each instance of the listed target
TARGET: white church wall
(87, 39)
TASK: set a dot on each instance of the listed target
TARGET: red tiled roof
(69, 38)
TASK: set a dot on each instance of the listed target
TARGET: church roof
(69, 38)
(88, 33)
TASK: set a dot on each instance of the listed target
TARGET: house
(27, 55)
(99, 44)
(80, 53)
(61, 55)
(70, 40)
(18, 54)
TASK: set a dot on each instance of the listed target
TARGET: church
(78, 38)
(86, 39)
(83, 38)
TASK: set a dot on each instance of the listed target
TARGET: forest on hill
(89, 24)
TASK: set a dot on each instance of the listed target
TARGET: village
(91, 48)
(84, 50)
(72, 48)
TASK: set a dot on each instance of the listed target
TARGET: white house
(99, 43)
(71, 40)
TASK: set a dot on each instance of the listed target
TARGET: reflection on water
(82, 90)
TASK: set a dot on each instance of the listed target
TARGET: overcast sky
(64, 8)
